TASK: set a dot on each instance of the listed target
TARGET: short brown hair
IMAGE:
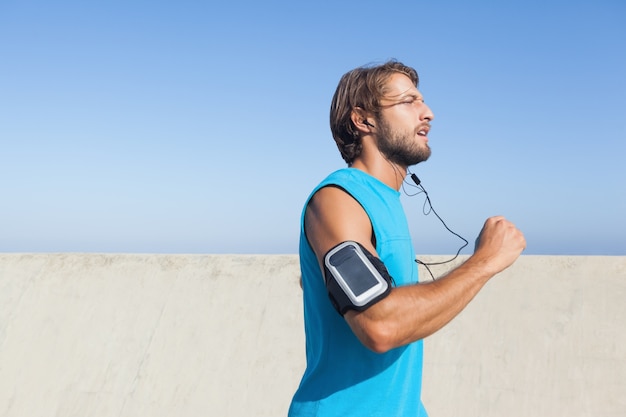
(362, 87)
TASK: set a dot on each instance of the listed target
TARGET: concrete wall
(208, 335)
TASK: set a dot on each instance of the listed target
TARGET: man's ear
(362, 120)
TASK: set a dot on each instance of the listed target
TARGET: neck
(381, 168)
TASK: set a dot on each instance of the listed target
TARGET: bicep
(333, 216)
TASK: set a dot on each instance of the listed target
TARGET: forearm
(414, 312)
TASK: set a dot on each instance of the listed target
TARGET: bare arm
(410, 312)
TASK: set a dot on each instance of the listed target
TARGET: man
(366, 360)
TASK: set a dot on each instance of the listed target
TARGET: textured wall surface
(221, 335)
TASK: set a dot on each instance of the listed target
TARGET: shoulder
(334, 216)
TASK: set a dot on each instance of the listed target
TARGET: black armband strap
(355, 279)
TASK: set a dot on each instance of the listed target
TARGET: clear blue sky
(201, 127)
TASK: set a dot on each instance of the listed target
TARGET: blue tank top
(343, 378)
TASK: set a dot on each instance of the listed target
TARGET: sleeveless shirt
(343, 378)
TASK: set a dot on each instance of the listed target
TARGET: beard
(399, 147)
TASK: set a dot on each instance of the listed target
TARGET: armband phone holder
(355, 279)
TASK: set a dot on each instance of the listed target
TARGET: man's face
(404, 123)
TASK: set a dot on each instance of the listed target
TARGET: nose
(427, 113)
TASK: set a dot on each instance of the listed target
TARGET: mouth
(423, 131)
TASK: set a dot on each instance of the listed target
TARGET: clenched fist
(499, 244)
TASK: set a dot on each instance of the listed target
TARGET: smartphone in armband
(359, 280)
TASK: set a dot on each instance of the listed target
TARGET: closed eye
(412, 99)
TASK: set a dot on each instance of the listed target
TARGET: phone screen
(353, 271)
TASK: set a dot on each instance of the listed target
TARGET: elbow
(377, 337)
(380, 348)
